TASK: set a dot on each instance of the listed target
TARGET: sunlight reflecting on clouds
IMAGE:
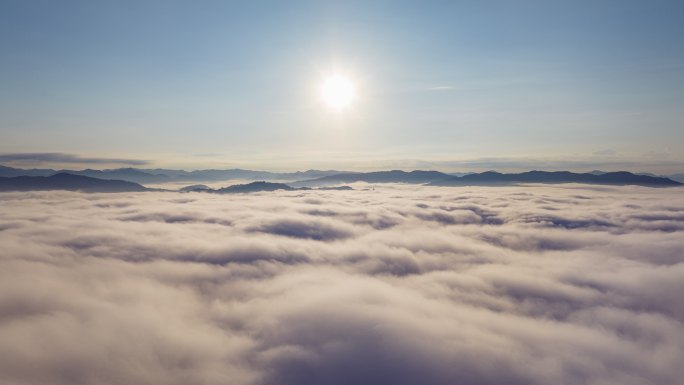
(401, 284)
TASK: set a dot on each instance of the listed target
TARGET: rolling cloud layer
(397, 285)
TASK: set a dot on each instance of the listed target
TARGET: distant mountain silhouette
(64, 181)
(127, 174)
(253, 187)
(160, 175)
(219, 175)
(677, 177)
(236, 173)
(10, 172)
(394, 176)
(318, 178)
(195, 187)
(609, 178)
(674, 177)
(339, 188)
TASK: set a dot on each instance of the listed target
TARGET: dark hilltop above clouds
(129, 180)
(492, 178)
(159, 175)
(69, 182)
(610, 178)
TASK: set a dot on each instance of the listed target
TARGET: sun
(337, 92)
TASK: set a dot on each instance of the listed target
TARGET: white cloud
(403, 285)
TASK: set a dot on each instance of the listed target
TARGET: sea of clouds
(392, 285)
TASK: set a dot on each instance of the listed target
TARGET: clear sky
(452, 85)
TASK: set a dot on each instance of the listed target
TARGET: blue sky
(440, 84)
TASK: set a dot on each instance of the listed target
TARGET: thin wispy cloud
(64, 158)
(441, 88)
(605, 152)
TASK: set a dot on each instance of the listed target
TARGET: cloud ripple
(403, 285)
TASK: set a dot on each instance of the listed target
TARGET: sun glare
(337, 92)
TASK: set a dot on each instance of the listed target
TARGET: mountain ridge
(554, 177)
(431, 177)
(392, 176)
(67, 182)
(159, 175)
